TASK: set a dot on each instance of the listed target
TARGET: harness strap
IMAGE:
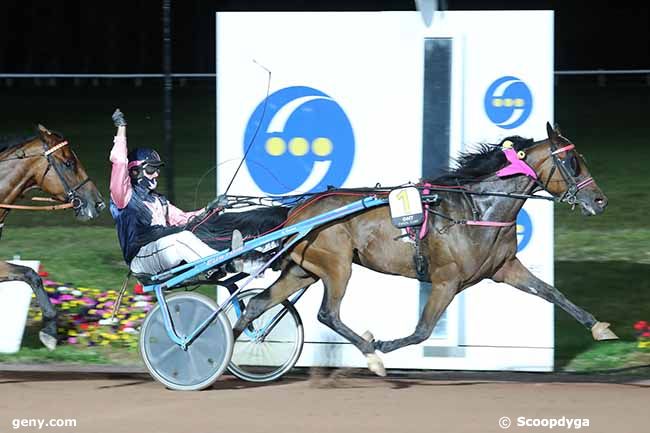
(27, 207)
(489, 223)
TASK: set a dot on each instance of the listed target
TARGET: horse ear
(46, 134)
(550, 131)
(43, 130)
(557, 129)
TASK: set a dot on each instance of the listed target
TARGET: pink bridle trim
(563, 149)
(584, 183)
(490, 223)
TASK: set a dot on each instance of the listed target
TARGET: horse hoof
(600, 331)
(368, 336)
(48, 341)
(375, 364)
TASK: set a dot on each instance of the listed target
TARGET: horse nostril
(100, 206)
(602, 202)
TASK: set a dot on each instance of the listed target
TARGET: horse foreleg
(292, 279)
(443, 289)
(517, 275)
(9, 272)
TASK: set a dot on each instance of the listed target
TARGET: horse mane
(11, 142)
(473, 166)
(470, 167)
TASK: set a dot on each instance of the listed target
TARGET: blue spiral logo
(508, 102)
(304, 144)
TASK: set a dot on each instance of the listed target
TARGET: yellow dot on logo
(275, 146)
(322, 146)
(508, 102)
(497, 102)
(519, 102)
(298, 146)
(520, 229)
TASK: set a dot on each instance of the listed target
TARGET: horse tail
(216, 231)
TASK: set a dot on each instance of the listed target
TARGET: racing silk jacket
(141, 215)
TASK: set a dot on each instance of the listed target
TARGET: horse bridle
(71, 193)
(569, 196)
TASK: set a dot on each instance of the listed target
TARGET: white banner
(345, 108)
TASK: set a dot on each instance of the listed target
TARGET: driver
(150, 229)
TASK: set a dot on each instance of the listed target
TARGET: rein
(520, 167)
(28, 207)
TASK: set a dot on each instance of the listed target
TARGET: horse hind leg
(47, 334)
(444, 287)
(292, 279)
(335, 270)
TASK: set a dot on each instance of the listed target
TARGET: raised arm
(120, 185)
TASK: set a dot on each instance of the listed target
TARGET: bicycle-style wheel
(204, 360)
(261, 354)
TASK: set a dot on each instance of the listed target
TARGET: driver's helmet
(144, 159)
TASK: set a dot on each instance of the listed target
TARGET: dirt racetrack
(320, 403)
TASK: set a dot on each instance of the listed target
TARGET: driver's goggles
(151, 169)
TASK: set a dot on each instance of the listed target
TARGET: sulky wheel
(204, 360)
(261, 358)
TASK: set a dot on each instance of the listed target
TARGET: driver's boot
(237, 264)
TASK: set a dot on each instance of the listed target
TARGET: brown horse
(458, 254)
(44, 162)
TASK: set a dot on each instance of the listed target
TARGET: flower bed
(85, 315)
(642, 330)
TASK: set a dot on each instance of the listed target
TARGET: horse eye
(70, 163)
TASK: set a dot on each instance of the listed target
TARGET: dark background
(120, 36)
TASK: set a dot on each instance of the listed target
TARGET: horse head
(61, 174)
(564, 173)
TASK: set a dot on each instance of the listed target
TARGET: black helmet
(144, 157)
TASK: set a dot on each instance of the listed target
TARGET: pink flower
(72, 340)
(646, 334)
(640, 325)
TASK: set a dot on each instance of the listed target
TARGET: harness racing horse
(44, 162)
(471, 236)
